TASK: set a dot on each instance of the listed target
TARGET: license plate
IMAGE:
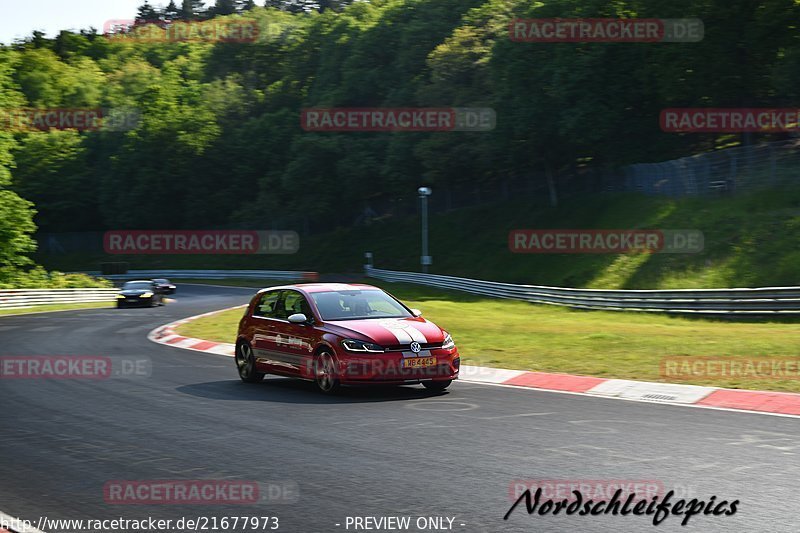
(419, 362)
(131, 300)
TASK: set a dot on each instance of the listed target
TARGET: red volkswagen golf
(337, 334)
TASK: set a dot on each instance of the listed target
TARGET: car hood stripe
(405, 332)
(392, 331)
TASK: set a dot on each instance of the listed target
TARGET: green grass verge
(750, 240)
(517, 335)
(220, 327)
(55, 307)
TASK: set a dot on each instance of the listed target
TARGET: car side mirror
(416, 312)
(298, 318)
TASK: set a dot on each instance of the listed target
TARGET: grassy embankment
(508, 334)
(750, 240)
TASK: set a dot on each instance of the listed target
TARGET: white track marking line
(695, 406)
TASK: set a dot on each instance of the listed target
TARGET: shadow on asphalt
(295, 391)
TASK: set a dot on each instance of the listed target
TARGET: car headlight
(120, 296)
(146, 295)
(448, 343)
(353, 345)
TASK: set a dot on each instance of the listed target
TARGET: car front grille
(407, 347)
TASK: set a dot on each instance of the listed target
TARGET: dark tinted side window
(266, 306)
(294, 303)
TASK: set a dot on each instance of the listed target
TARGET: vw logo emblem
(415, 347)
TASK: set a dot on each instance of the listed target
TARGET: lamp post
(426, 260)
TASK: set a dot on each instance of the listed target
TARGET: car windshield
(358, 304)
(162, 281)
(136, 286)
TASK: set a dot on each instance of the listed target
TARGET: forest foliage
(218, 142)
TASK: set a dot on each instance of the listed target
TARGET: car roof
(322, 287)
(140, 281)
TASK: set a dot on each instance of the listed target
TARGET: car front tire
(246, 364)
(326, 376)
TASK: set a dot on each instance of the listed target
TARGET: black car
(140, 294)
(165, 286)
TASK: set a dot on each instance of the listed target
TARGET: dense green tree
(221, 119)
(39, 39)
(305, 6)
(224, 7)
(16, 214)
(146, 13)
(16, 230)
(192, 9)
(51, 170)
(171, 12)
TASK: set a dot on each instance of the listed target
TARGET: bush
(39, 278)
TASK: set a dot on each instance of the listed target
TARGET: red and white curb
(762, 402)
(166, 335)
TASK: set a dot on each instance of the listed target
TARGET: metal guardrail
(759, 301)
(211, 274)
(22, 298)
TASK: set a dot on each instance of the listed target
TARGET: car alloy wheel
(246, 364)
(326, 373)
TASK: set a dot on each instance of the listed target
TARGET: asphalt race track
(365, 452)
